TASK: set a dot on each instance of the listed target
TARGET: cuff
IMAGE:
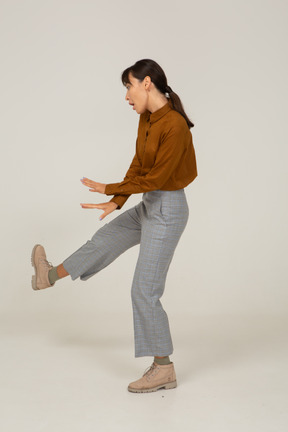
(110, 188)
(119, 200)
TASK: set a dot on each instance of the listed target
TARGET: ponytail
(176, 104)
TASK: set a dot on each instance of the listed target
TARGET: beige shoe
(42, 267)
(157, 377)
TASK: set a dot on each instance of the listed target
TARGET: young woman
(163, 165)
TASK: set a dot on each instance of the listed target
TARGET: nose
(126, 97)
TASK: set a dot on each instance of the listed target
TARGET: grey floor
(69, 373)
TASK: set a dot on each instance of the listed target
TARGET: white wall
(63, 116)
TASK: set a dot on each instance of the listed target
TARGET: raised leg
(106, 245)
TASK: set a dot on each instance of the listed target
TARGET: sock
(53, 275)
(162, 361)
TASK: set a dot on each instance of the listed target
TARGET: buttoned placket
(147, 133)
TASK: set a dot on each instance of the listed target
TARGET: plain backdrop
(64, 116)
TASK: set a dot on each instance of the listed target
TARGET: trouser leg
(161, 232)
(106, 245)
(151, 326)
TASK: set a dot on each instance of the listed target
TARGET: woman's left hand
(94, 186)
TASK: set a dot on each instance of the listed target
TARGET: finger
(100, 206)
(87, 182)
(83, 180)
(103, 216)
(97, 206)
(89, 206)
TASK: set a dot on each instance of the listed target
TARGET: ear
(147, 82)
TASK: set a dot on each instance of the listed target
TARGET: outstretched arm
(118, 200)
(171, 150)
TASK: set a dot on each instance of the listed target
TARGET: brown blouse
(164, 159)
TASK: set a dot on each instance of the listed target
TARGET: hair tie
(168, 90)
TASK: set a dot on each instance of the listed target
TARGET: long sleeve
(133, 171)
(171, 150)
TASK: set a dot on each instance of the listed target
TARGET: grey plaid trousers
(157, 223)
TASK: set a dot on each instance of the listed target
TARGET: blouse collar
(156, 115)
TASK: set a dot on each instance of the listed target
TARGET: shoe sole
(166, 386)
(34, 277)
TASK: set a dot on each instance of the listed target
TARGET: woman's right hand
(108, 207)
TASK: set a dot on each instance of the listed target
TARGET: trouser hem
(72, 272)
(153, 355)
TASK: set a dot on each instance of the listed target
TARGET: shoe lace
(46, 263)
(150, 370)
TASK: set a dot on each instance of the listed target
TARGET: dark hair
(147, 67)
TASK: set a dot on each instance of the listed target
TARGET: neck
(155, 104)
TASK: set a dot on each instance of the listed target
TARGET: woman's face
(137, 94)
